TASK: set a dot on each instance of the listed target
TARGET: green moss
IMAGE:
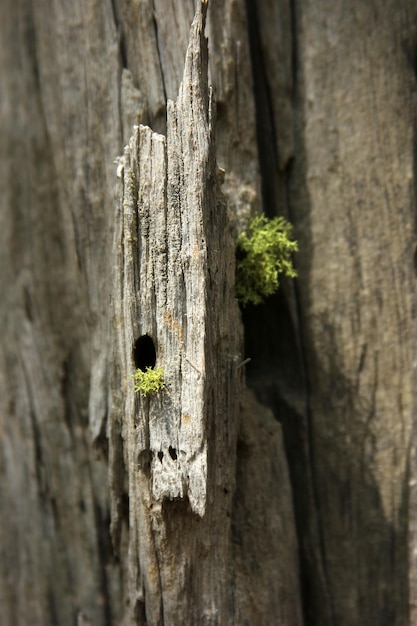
(149, 381)
(263, 253)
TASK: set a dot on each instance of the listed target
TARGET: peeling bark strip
(168, 222)
(174, 278)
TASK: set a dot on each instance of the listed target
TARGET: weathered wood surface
(347, 176)
(315, 119)
(82, 282)
(361, 331)
(56, 201)
(174, 281)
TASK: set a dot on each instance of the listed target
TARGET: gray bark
(347, 178)
(278, 492)
(174, 281)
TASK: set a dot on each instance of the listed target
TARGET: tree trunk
(280, 491)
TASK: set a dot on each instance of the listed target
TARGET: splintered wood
(174, 282)
(175, 277)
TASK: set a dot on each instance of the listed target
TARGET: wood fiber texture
(339, 92)
(131, 157)
(121, 509)
(174, 281)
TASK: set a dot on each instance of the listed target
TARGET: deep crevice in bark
(266, 131)
(279, 369)
(121, 36)
(155, 25)
(308, 590)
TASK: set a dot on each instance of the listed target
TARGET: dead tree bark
(179, 508)
(338, 96)
(182, 530)
(174, 285)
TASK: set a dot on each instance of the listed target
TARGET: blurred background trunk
(307, 510)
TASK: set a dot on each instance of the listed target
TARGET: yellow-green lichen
(149, 381)
(263, 253)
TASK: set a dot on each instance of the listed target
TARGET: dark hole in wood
(160, 455)
(144, 353)
(172, 453)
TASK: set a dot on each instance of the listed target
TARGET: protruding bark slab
(174, 281)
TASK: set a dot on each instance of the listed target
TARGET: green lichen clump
(149, 381)
(263, 253)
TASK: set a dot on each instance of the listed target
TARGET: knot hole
(144, 353)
